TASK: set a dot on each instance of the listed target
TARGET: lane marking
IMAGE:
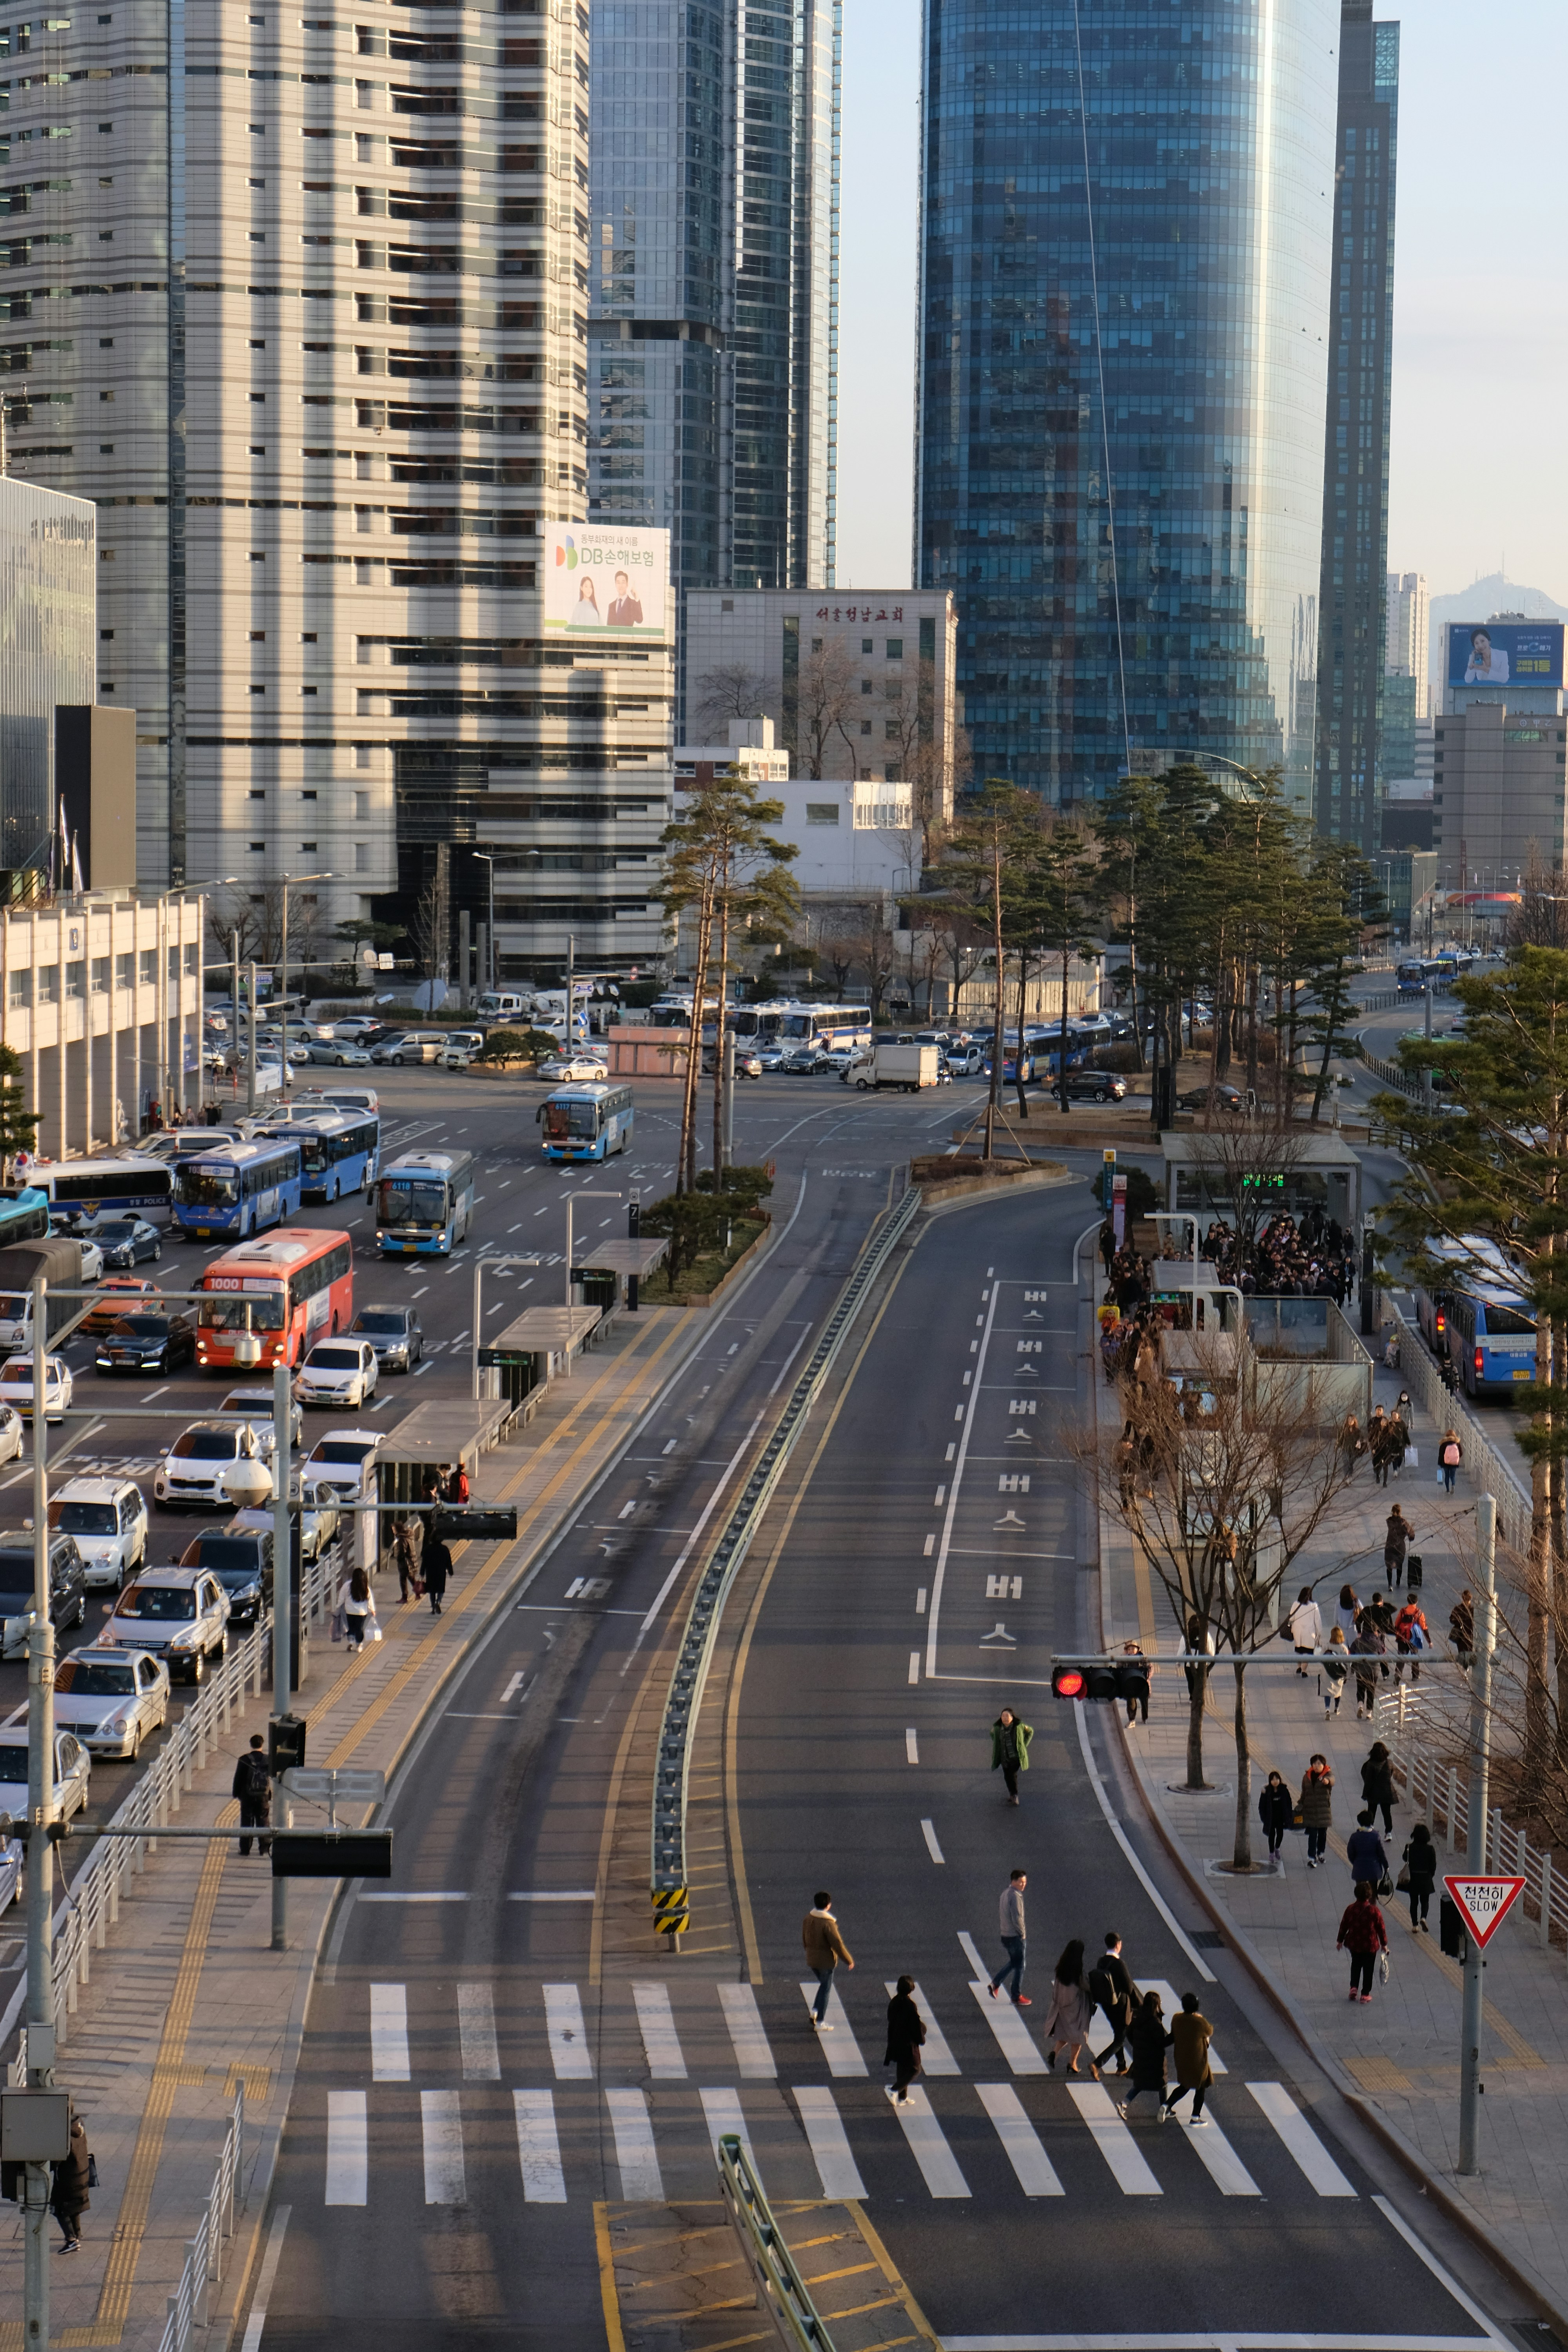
(914, 1666)
(636, 2154)
(1445, 2278)
(568, 2041)
(722, 2110)
(920, 1600)
(1302, 2142)
(936, 2058)
(1220, 2160)
(1114, 2141)
(348, 2148)
(1014, 2039)
(745, 2019)
(927, 1831)
(841, 2050)
(1172, 2007)
(252, 2341)
(829, 2143)
(1020, 2141)
(477, 2033)
(661, 2043)
(441, 2130)
(388, 2034)
(561, 1895)
(538, 2148)
(1122, 1839)
(419, 1898)
(965, 1414)
(912, 1746)
(928, 2144)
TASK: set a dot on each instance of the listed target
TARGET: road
(468, 2090)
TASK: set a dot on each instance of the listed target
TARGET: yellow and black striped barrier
(671, 1911)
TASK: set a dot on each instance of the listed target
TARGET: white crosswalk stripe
(538, 2148)
(441, 2127)
(661, 2043)
(348, 2157)
(744, 2019)
(1114, 2141)
(1014, 2039)
(722, 2110)
(839, 2047)
(477, 2033)
(569, 2049)
(928, 2144)
(388, 2034)
(1020, 2141)
(1220, 2160)
(830, 2149)
(1171, 2006)
(936, 2058)
(1302, 2140)
(634, 2151)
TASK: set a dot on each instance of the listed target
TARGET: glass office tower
(1126, 214)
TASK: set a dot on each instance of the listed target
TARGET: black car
(147, 1343)
(1092, 1086)
(68, 1587)
(394, 1333)
(807, 1063)
(1224, 1098)
(242, 1564)
(126, 1241)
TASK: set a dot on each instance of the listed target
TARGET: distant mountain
(1479, 602)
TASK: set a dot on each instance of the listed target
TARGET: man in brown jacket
(824, 1947)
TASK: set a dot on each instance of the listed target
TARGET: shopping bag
(419, 1587)
(1383, 1966)
(374, 1631)
(1413, 1457)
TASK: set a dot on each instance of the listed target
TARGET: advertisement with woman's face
(1505, 653)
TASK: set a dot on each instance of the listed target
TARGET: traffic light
(1066, 1682)
(1132, 1680)
(1101, 1683)
(1451, 1936)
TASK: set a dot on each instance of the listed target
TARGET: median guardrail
(671, 1908)
(781, 2290)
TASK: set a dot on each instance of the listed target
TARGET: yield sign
(1485, 1902)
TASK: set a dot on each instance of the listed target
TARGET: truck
(59, 1260)
(906, 1068)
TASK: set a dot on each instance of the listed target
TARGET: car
(317, 1525)
(191, 1472)
(467, 1041)
(845, 1058)
(747, 1066)
(340, 1468)
(772, 1059)
(339, 1371)
(76, 1229)
(806, 1061)
(257, 1405)
(341, 1051)
(147, 1343)
(454, 1058)
(965, 1061)
(108, 1518)
(73, 1767)
(126, 1241)
(395, 1335)
(353, 1026)
(179, 1615)
(10, 1433)
(406, 1045)
(112, 1700)
(354, 1099)
(241, 1560)
(1092, 1086)
(121, 1295)
(16, 1386)
(68, 1587)
(571, 1068)
(1224, 1098)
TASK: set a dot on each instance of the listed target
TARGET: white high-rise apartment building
(1408, 629)
(301, 304)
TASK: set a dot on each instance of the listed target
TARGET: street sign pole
(1475, 1847)
(282, 1601)
(40, 1852)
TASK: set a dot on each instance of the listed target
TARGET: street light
(179, 890)
(480, 1264)
(490, 980)
(293, 883)
(587, 1193)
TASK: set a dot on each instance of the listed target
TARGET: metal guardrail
(667, 1870)
(203, 2265)
(781, 2290)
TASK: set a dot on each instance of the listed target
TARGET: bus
(293, 1289)
(338, 1151)
(131, 1187)
(788, 1024)
(1419, 973)
(236, 1189)
(24, 1215)
(424, 1201)
(586, 1122)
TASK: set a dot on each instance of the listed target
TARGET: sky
(1479, 466)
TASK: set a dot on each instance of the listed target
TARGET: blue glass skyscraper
(1126, 216)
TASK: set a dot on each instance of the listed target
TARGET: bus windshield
(207, 1187)
(411, 1201)
(566, 1117)
(224, 1310)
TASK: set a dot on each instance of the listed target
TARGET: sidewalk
(1400, 2057)
(188, 2002)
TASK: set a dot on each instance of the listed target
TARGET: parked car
(394, 1333)
(467, 1041)
(339, 1097)
(257, 1404)
(454, 1057)
(112, 1700)
(339, 1371)
(190, 1473)
(318, 1525)
(108, 1518)
(68, 1587)
(341, 1051)
(126, 1241)
(1090, 1086)
(16, 1386)
(809, 1062)
(354, 1024)
(241, 1560)
(121, 1295)
(1224, 1099)
(747, 1066)
(73, 1767)
(179, 1615)
(147, 1343)
(340, 1468)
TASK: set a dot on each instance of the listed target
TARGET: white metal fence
(202, 2266)
(1485, 1469)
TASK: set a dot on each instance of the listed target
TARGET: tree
(827, 689)
(994, 837)
(1065, 898)
(1540, 917)
(430, 933)
(358, 932)
(1349, 904)
(731, 691)
(18, 1126)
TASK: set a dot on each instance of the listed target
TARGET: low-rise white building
(857, 841)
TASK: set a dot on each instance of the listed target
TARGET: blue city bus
(237, 1188)
(1479, 1321)
(338, 1151)
(425, 1202)
(24, 1215)
(588, 1122)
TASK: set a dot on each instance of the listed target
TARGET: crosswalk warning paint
(671, 1911)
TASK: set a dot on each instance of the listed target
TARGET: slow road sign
(1484, 1903)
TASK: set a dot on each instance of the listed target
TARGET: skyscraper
(1356, 453)
(713, 351)
(1408, 631)
(1124, 301)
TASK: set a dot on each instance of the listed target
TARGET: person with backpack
(1450, 1454)
(1276, 1810)
(457, 1488)
(1317, 1802)
(1412, 1636)
(1362, 1935)
(253, 1788)
(1336, 1665)
(73, 2175)
(1112, 1989)
(1010, 1740)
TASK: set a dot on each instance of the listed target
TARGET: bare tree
(935, 777)
(1540, 917)
(1239, 1161)
(429, 931)
(733, 692)
(828, 691)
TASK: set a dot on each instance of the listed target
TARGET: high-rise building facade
(1407, 632)
(1353, 597)
(323, 421)
(1124, 308)
(713, 351)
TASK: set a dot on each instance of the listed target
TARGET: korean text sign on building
(604, 582)
(1505, 653)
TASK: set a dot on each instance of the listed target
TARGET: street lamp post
(480, 1264)
(1485, 1637)
(490, 980)
(40, 1847)
(587, 1193)
(293, 883)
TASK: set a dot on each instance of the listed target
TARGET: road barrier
(202, 2266)
(684, 1698)
(781, 2290)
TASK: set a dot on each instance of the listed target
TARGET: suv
(341, 1468)
(394, 1333)
(68, 1587)
(179, 1615)
(107, 1518)
(339, 1371)
(1090, 1086)
(241, 1560)
(73, 1767)
(408, 1045)
(112, 1700)
(190, 1473)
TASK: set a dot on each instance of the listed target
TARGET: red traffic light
(1066, 1682)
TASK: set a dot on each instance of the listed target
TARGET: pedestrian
(1353, 1444)
(1199, 1644)
(1010, 1750)
(824, 1947)
(1462, 1629)
(1071, 2012)
(1366, 1650)
(457, 1487)
(1336, 1666)
(906, 2032)
(1381, 1452)
(1399, 1535)
(1149, 2038)
(253, 1787)
(1377, 1786)
(406, 1559)
(1306, 1625)
(1419, 1876)
(435, 1567)
(1362, 1935)
(1398, 1441)
(73, 2177)
(1411, 1636)
(1391, 1350)
(1450, 1454)
(1367, 1855)
(1317, 1804)
(1140, 1698)
(357, 1602)
(1276, 1810)
(1014, 1941)
(1191, 2033)
(1113, 1989)
(1348, 1611)
(1127, 1469)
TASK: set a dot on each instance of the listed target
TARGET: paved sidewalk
(188, 2000)
(1400, 2055)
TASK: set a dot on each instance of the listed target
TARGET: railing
(202, 2266)
(783, 2292)
(1486, 1470)
(668, 1872)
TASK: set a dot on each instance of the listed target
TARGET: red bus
(291, 1289)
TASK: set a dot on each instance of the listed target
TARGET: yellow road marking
(890, 2270)
(614, 2333)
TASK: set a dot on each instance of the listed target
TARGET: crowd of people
(1311, 1256)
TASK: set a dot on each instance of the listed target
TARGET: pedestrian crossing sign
(1484, 1903)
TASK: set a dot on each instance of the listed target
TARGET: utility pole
(250, 1053)
(1476, 1844)
(40, 1850)
(282, 1598)
(234, 1001)
(571, 991)
(728, 1122)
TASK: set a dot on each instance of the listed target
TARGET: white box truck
(906, 1068)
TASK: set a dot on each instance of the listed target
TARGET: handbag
(1412, 1456)
(92, 2172)
(337, 1625)
(1385, 1884)
(419, 1587)
(1296, 1820)
(375, 1634)
(1383, 1968)
(1402, 1883)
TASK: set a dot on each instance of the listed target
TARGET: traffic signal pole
(40, 1848)
(282, 1599)
(1475, 1843)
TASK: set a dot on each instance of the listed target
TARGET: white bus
(133, 1186)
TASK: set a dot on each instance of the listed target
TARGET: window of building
(192, 954)
(362, 808)
(867, 645)
(100, 975)
(361, 858)
(865, 726)
(125, 969)
(895, 649)
(822, 812)
(76, 979)
(867, 687)
(48, 984)
(149, 966)
(21, 990)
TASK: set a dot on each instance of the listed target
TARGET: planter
(688, 1294)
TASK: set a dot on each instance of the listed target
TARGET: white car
(112, 1700)
(318, 1525)
(179, 1615)
(73, 1768)
(11, 1427)
(454, 1058)
(355, 1098)
(339, 1371)
(109, 1520)
(73, 1230)
(16, 1386)
(257, 1404)
(573, 1068)
(191, 1472)
(339, 1469)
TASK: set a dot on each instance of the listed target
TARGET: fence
(1486, 1470)
(781, 2290)
(202, 2266)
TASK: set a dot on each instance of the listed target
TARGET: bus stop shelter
(607, 1273)
(530, 1352)
(441, 1433)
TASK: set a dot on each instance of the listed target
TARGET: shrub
(533, 1045)
(742, 1189)
(692, 1222)
(1143, 1195)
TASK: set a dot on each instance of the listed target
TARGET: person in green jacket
(1010, 1750)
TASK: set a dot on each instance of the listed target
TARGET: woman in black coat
(906, 2032)
(1377, 1787)
(1420, 1876)
(68, 2195)
(436, 1567)
(1276, 1810)
(1149, 2038)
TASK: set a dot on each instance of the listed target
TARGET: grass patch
(702, 1280)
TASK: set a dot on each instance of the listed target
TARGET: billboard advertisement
(603, 582)
(1505, 653)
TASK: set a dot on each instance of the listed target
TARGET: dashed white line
(914, 1666)
(912, 1747)
(927, 1831)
